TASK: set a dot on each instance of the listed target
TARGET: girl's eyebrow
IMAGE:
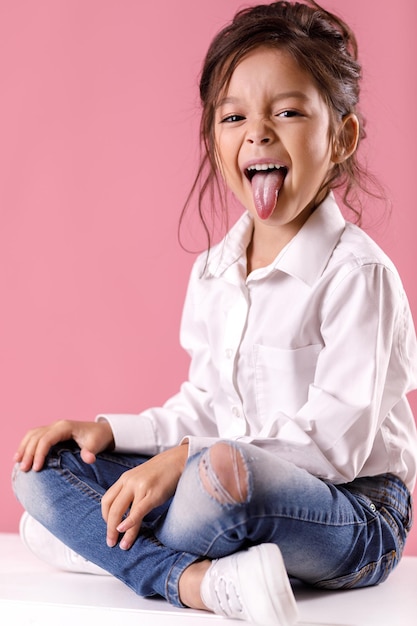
(282, 96)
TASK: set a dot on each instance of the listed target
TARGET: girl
(291, 450)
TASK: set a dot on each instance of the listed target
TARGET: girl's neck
(268, 239)
(264, 248)
(266, 243)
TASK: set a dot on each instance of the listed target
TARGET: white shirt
(310, 358)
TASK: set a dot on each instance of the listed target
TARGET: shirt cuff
(133, 434)
(196, 444)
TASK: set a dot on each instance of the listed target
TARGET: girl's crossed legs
(230, 496)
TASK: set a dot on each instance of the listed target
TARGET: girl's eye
(288, 113)
(232, 118)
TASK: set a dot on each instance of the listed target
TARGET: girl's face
(273, 139)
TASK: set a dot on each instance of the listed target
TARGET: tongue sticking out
(265, 188)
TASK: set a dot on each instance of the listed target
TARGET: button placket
(235, 324)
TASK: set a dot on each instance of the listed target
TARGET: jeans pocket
(370, 574)
(389, 497)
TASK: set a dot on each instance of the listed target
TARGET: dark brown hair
(323, 45)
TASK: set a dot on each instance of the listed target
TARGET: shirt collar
(232, 249)
(307, 254)
(304, 257)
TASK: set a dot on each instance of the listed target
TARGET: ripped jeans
(331, 536)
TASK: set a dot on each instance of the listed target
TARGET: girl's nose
(261, 140)
(260, 133)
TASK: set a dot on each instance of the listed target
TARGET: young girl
(291, 450)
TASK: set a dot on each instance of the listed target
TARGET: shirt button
(229, 353)
(235, 411)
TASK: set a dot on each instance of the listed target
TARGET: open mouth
(263, 168)
(266, 180)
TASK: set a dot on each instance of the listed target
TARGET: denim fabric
(66, 498)
(331, 536)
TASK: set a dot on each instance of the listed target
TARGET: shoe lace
(228, 598)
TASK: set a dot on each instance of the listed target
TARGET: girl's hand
(92, 437)
(140, 490)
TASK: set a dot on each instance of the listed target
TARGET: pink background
(98, 148)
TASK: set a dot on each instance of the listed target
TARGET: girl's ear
(346, 139)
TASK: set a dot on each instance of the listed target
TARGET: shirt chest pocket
(282, 378)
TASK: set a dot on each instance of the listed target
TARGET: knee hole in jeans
(223, 473)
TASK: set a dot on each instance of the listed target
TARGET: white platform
(33, 594)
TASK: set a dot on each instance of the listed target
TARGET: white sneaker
(251, 585)
(48, 548)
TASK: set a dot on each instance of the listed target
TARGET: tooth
(264, 167)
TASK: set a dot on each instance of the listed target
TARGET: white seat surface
(34, 594)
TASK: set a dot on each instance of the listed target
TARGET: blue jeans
(331, 536)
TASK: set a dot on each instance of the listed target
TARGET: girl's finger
(130, 526)
(129, 537)
(42, 448)
(47, 438)
(108, 499)
(115, 507)
(26, 449)
(28, 454)
(88, 456)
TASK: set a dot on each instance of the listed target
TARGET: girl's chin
(283, 217)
